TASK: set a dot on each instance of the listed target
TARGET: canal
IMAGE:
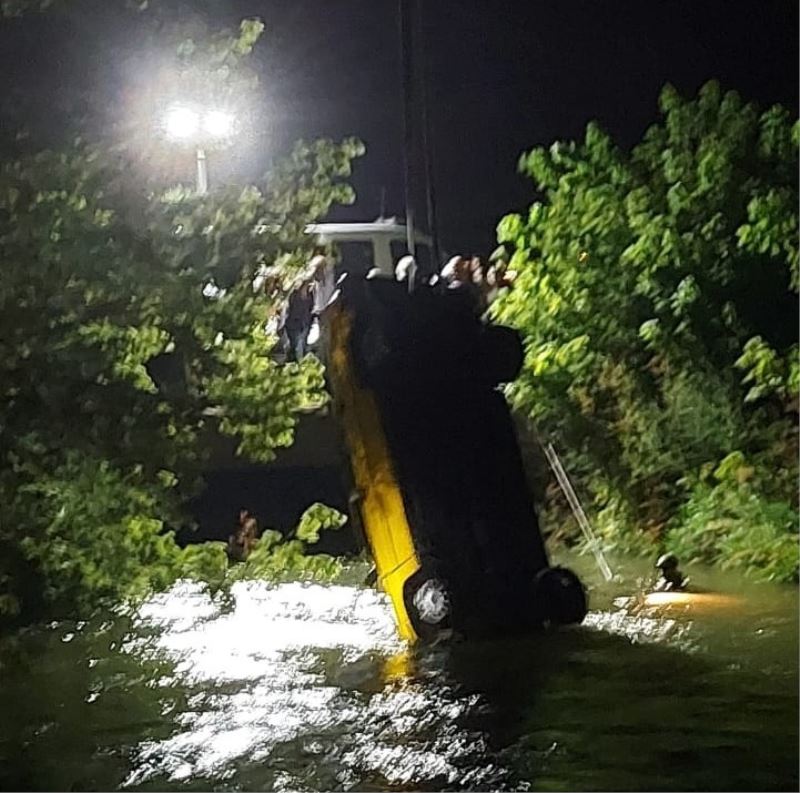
(297, 687)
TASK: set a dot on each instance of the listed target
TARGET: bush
(730, 521)
(85, 533)
(656, 296)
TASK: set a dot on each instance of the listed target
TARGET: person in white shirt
(324, 281)
(406, 271)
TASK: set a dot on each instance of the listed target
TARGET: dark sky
(504, 75)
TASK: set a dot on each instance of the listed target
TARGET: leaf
(318, 517)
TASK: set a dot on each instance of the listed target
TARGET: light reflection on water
(302, 656)
(260, 642)
(306, 687)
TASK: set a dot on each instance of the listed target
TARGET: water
(307, 688)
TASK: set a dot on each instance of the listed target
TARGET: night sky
(503, 77)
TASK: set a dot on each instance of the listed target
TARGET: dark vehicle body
(421, 369)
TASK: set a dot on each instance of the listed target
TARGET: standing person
(498, 278)
(478, 282)
(324, 277)
(406, 270)
(457, 279)
(243, 538)
(297, 320)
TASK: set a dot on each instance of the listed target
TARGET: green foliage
(93, 532)
(130, 330)
(206, 562)
(277, 559)
(650, 285)
(732, 520)
(318, 517)
(286, 561)
(262, 398)
(767, 372)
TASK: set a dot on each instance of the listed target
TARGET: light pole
(202, 172)
(417, 136)
(406, 52)
(199, 128)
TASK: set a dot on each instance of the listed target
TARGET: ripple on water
(297, 672)
(307, 687)
(298, 687)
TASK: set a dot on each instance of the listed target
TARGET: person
(324, 280)
(457, 277)
(478, 281)
(454, 273)
(498, 276)
(297, 320)
(476, 269)
(406, 270)
(243, 539)
(670, 578)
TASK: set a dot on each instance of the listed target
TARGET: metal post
(427, 148)
(383, 203)
(202, 172)
(406, 51)
(577, 510)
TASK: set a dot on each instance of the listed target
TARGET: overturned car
(440, 492)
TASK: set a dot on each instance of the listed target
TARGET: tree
(130, 328)
(649, 284)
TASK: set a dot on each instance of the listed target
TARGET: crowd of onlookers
(482, 282)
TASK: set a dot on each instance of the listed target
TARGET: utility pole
(383, 203)
(202, 172)
(427, 145)
(407, 61)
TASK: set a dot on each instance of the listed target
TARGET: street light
(181, 123)
(185, 124)
(218, 123)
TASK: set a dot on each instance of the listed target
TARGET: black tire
(560, 596)
(428, 602)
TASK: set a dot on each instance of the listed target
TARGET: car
(441, 494)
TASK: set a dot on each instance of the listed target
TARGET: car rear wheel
(560, 596)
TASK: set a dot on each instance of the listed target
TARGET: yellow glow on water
(267, 642)
(275, 664)
(692, 599)
(398, 667)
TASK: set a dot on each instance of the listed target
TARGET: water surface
(306, 687)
